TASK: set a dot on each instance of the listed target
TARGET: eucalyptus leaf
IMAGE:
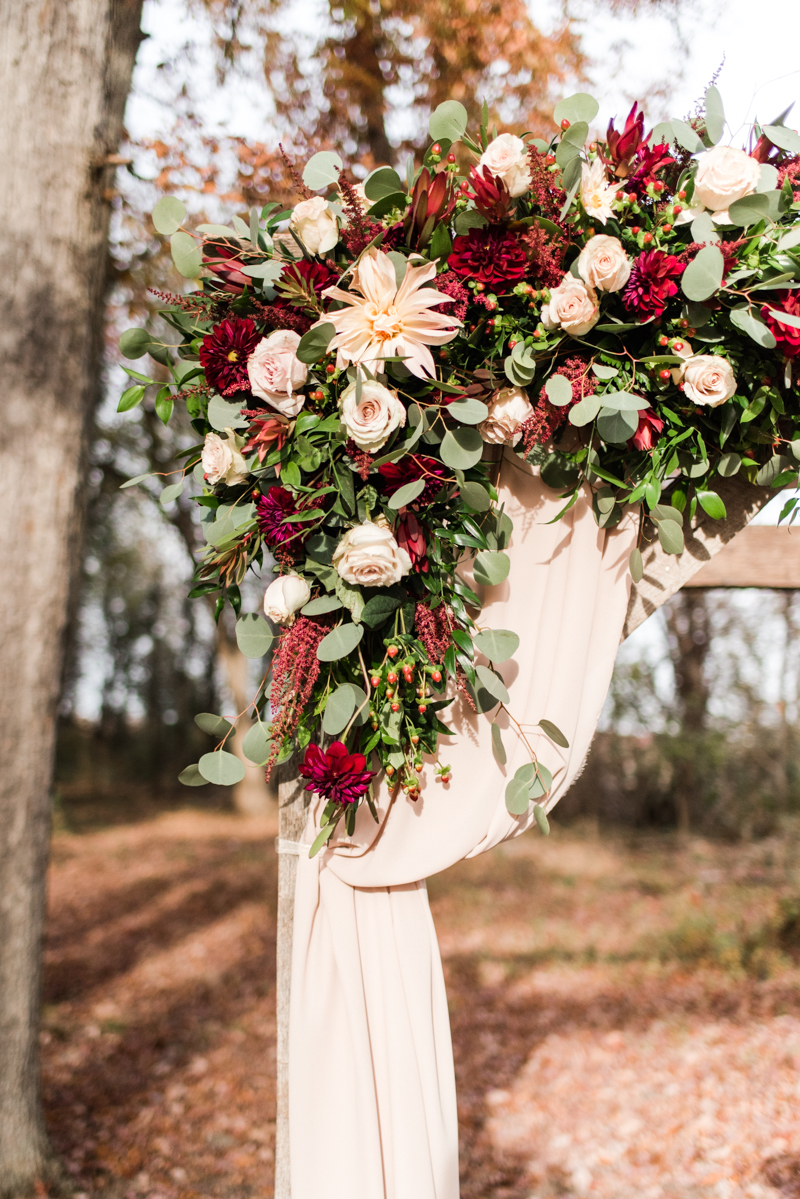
(783, 138)
(382, 182)
(517, 796)
(585, 411)
(340, 642)
(541, 819)
(186, 254)
(191, 777)
(785, 318)
(747, 211)
(267, 271)
(253, 635)
(554, 733)
(703, 275)
(461, 448)
(617, 427)
(498, 749)
(685, 136)
(407, 493)
(636, 565)
(338, 710)
(578, 107)
(171, 493)
(491, 567)
(168, 215)
(221, 768)
(559, 390)
(728, 465)
(476, 496)
(322, 170)
(493, 684)
(257, 743)
(134, 343)
(623, 401)
(497, 644)
(215, 726)
(714, 113)
(670, 534)
(448, 121)
(224, 415)
(323, 603)
(752, 324)
(601, 371)
(468, 411)
(542, 782)
(313, 345)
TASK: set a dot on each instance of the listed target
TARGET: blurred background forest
(702, 723)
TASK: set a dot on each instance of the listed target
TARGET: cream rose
(369, 556)
(221, 460)
(275, 371)
(572, 306)
(724, 174)
(708, 379)
(284, 597)
(314, 222)
(509, 408)
(604, 264)
(371, 420)
(507, 158)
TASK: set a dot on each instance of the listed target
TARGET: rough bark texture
(65, 74)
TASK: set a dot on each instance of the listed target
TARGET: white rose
(508, 409)
(604, 264)
(314, 222)
(370, 557)
(221, 459)
(708, 379)
(284, 597)
(572, 306)
(372, 419)
(724, 174)
(507, 158)
(275, 371)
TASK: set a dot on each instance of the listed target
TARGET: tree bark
(65, 75)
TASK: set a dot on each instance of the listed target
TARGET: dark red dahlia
(653, 281)
(492, 255)
(647, 434)
(274, 507)
(337, 774)
(787, 336)
(224, 354)
(411, 538)
(408, 470)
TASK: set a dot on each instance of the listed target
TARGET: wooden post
(291, 820)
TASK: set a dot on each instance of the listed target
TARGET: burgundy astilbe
(492, 255)
(336, 774)
(410, 468)
(653, 281)
(452, 286)
(791, 171)
(547, 256)
(362, 459)
(434, 627)
(281, 316)
(295, 669)
(549, 199)
(546, 417)
(787, 337)
(360, 229)
(224, 354)
(296, 177)
(196, 303)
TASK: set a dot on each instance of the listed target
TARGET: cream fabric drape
(372, 1102)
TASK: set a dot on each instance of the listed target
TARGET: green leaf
(130, 398)
(215, 726)
(449, 120)
(715, 114)
(253, 635)
(636, 566)
(559, 390)
(554, 733)
(475, 496)
(223, 415)
(704, 230)
(171, 493)
(382, 182)
(604, 372)
(338, 710)
(703, 275)
(541, 819)
(407, 493)
(313, 345)
(340, 642)
(470, 219)
(585, 411)
(221, 768)
(378, 609)
(268, 271)
(542, 782)
(322, 169)
(770, 470)
(617, 427)
(134, 343)
(785, 318)
(498, 749)
(257, 744)
(216, 231)
(469, 411)
(517, 790)
(748, 211)
(493, 684)
(666, 512)
(750, 323)
(186, 254)
(686, 136)
(783, 138)
(491, 567)
(497, 644)
(191, 777)
(461, 448)
(138, 479)
(558, 472)
(712, 503)
(351, 596)
(579, 107)
(323, 603)
(728, 465)
(322, 839)
(168, 215)
(670, 534)
(164, 405)
(441, 244)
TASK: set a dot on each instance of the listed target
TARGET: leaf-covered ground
(626, 1013)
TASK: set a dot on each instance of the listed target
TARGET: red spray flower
(490, 194)
(411, 537)
(653, 281)
(220, 257)
(408, 470)
(646, 435)
(267, 433)
(337, 774)
(648, 162)
(622, 146)
(224, 354)
(787, 336)
(492, 255)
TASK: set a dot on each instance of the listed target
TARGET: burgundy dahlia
(305, 278)
(273, 508)
(224, 354)
(653, 281)
(787, 336)
(647, 433)
(408, 470)
(492, 255)
(337, 774)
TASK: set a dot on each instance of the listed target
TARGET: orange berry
(393, 651)
(375, 680)
(391, 677)
(395, 707)
(565, 124)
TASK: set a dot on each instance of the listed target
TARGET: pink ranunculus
(276, 372)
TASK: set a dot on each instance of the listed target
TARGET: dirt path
(626, 1014)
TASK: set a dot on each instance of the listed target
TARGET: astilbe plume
(434, 627)
(360, 229)
(493, 255)
(362, 458)
(336, 774)
(294, 174)
(452, 286)
(791, 171)
(197, 303)
(547, 256)
(281, 316)
(550, 199)
(547, 418)
(295, 669)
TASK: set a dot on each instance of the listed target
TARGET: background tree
(65, 76)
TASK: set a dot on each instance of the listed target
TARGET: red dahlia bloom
(224, 354)
(652, 282)
(411, 538)
(491, 255)
(787, 336)
(337, 774)
(646, 435)
(408, 470)
(273, 508)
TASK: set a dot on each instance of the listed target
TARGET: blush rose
(275, 371)
(708, 379)
(724, 174)
(507, 158)
(221, 460)
(373, 417)
(369, 556)
(603, 263)
(509, 408)
(572, 307)
(284, 597)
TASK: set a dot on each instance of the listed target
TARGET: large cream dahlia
(387, 321)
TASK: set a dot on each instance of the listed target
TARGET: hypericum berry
(490, 324)
(549, 160)
(436, 675)
(374, 726)
(684, 324)
(658, 186)
(480, 286)
(415, 739)
(390, 771)
(677, 346)
(391, 677)
(330, 368)
(418, 767)
(636, 229)
(631, 197)
(436, 148)
(676, 208)
(620, 196)
(690, 332)
(451, 157)
(648, 237)
(512, 342)
(664, 375)
(766, 380)
(393, 651)
(375, 680)
(667, 228)
(422, 709)
(565, 124)
(681, 195)
(395, 707)
(537, 333)
(663, 340)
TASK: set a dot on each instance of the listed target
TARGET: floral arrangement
(623, 312)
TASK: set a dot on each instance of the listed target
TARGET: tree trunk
(66, 71)
(689, 635)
